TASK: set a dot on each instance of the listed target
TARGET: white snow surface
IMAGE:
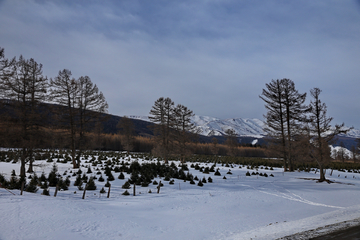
(238, 207)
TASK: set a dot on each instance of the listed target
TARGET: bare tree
(84, 104)
(285, 115)
(26, 89)
(231, 141)
(162, 113)
(7, 70)
(321, 132)
(275, 118)
(184, 129)
(89, 103)
(64, 92)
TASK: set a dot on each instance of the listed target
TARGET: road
(348, 234)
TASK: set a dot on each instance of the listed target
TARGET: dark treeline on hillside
(68, 113)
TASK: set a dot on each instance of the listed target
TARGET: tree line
(297, 131)
(24, 88)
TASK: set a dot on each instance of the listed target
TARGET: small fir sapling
(229, 172)
(196, 178)
(102, 190)
(45, 192)
(200, 184)
(126, 185)
(224, 177)
(192, 181)
(210, 180)
(14, 183)
(101, 179)
(62, 185)
(53, 178)
(80, 186)
(44, 185)
(110, 177)
(204, 180)
(126, 193)
(107, 184)
(171, 182)
(91, 184)
(217, 173)
(144, 184)
(121, 176)
(43, 177)
(32, 186)
(78, 180)
(248, 173)
(84, 178)
(155, 182)
(67, 181)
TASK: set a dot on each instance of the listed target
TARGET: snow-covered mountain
(243, 127)
(210, 126)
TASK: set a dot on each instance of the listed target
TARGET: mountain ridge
(243, 127)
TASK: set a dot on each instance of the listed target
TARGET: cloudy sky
(213, 56)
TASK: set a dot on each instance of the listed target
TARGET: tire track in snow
(292, 196)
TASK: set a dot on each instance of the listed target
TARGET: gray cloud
(211, 56)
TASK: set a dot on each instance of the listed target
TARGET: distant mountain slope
(243, 127)
(248, 130)
(210, 126)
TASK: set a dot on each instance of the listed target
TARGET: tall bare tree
(285, 114)
(64, 92)
(26, 89)
(231, 141)
(7, 70)
(184, 129)
(84, 103)
(321, 132)
(162, 113)
(89, 103)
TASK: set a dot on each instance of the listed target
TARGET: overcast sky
(213, 56)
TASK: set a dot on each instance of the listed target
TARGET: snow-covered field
(239, 207)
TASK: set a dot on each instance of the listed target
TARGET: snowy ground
(239, 207)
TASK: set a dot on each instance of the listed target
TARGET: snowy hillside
(210, 126)
(238, 207)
